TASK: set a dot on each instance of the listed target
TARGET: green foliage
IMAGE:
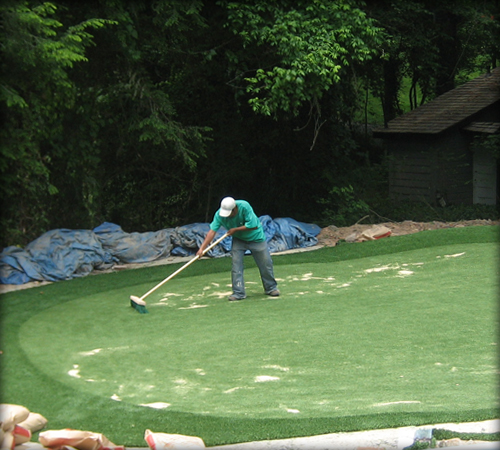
(35, 92)
(342, 207)
(441, 434)
(423, 212)
(308, 45)
(420, 444)
(488, 142)
(82, 107)
(435, 45)
(147, 113)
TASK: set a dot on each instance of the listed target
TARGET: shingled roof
(449, 109)
(483, 127)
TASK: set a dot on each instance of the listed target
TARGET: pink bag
(81, 440)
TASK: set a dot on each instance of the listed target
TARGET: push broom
(138, 302)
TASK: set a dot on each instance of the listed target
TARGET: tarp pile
(63, 254)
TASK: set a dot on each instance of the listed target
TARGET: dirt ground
(329, 236)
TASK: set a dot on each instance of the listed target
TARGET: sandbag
(11, 415)
(81, 440)
(31, 446)
(35, 422)
(373, 233)
(159, 441)
(21, 435)
(7, 442)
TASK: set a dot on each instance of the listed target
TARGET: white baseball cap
(226, 206)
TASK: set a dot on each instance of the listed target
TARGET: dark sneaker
(274, 293)
(232, 298)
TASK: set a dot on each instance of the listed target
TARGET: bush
(342, 207)
(424, 212)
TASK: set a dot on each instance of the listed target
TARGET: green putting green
(405, 332)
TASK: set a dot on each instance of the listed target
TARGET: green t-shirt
(245, 216)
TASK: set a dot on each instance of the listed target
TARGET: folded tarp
(63, 254)
(134, 247)
(18, 267)
(188, 239)
(286, 233)
(56, 255)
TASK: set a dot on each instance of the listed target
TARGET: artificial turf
(396, 332)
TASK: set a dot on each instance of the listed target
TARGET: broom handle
(184, 266)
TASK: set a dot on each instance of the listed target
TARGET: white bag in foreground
(11, 415)
(35, 422)
(160, 441)
(8, 442)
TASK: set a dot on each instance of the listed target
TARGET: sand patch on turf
(156, 405)
(265, 378)
(277, 367)
(398, 270)
(221, 295)
(401, 402)
(455, 255)
(91, 352)
(405, 273)
(74, 372)
(381, 269)
(193, 307)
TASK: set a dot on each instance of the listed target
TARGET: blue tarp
(64, 254)
(134, 247)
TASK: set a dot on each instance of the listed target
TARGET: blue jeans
(262, 257)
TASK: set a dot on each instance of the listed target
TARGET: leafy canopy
(305, 48)
(35, 92)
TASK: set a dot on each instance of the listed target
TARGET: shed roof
(450, 108)
(483, 127)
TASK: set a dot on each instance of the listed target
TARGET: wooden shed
(429, 148)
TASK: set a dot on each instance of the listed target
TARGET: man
(239, 219)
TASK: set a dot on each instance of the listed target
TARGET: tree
(91, 130)
(35, 91)
(306, 47)
(301, 68)
(150, 114)
(434, 45)
(147, 157)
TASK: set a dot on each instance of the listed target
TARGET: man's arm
(208, 238)
(242, 228)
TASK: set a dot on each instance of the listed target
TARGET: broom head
(138, 304)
